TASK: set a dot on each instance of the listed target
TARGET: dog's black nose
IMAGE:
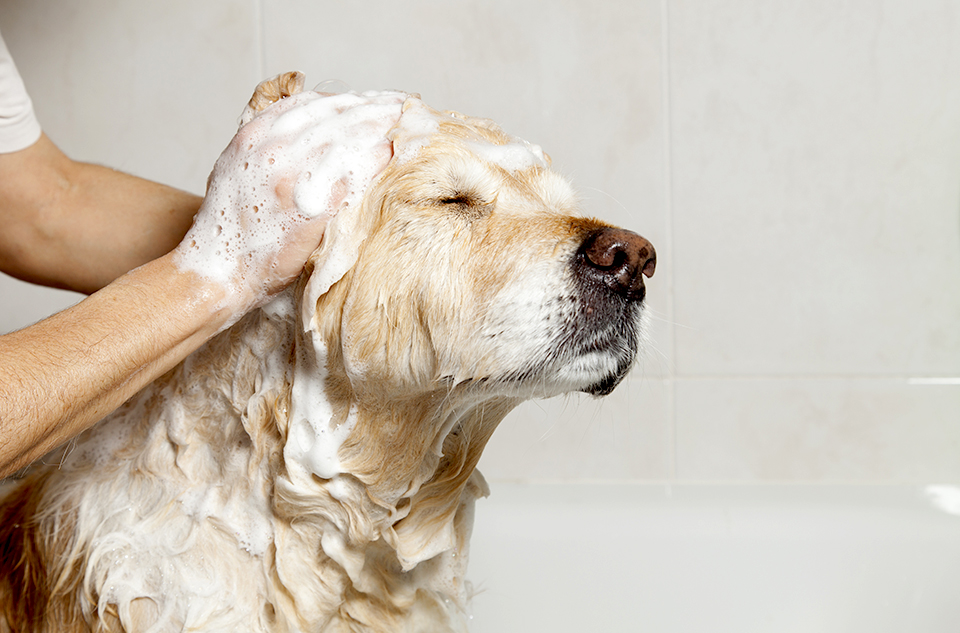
(619, 259)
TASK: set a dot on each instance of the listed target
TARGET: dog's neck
(378, 537)
(375, 509)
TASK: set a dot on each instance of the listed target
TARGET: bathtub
(580, 558)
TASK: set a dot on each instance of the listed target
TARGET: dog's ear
(270, 91)
(346, 231)
(337, 253)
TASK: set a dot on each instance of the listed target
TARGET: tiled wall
(797, 166)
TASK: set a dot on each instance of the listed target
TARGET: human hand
(282, 178)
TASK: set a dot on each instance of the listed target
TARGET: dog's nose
(619, 259)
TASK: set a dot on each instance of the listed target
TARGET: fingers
(270, 91)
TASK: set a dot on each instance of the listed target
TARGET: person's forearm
(62, 375)
(271, 194)
(80, 226)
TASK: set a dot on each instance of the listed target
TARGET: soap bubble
(332, 86)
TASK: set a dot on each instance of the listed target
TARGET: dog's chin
(606, 359)
(607, 381)
(606, 386)
(595, 372)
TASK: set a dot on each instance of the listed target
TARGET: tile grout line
(909, 379)
(668, 207)
(723, 483)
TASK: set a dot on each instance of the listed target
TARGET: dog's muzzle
(609, 268)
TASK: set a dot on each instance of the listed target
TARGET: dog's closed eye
(466, 204)
(459, 199)
(466, 186)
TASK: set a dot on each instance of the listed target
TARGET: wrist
(201, 305)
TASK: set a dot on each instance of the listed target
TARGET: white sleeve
(19, 127)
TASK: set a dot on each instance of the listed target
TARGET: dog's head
(463, 283)
(470, 266)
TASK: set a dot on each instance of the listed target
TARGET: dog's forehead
(420, 126)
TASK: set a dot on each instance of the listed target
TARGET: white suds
(515, 156)
(313, 442)
(416, 128)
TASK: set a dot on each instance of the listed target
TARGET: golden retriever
(312, 468)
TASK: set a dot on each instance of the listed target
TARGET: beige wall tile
(625, 436)
(816, 180)
(818, 429)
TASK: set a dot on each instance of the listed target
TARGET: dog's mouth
(593, 352)
(608, 271)
(606, 386)
(583, 333)
(604, 349)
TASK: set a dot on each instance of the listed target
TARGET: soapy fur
(313, 467)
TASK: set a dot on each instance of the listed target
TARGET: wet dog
(313, 467)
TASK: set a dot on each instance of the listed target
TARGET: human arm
(66, 372)
(79, 226)
(270, 196)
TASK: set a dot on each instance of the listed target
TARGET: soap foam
(515, 156)
(419, 124)
(313, 443)
(416, 129)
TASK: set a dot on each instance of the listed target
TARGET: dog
(313, 467)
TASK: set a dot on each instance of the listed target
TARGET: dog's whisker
(608, 195)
